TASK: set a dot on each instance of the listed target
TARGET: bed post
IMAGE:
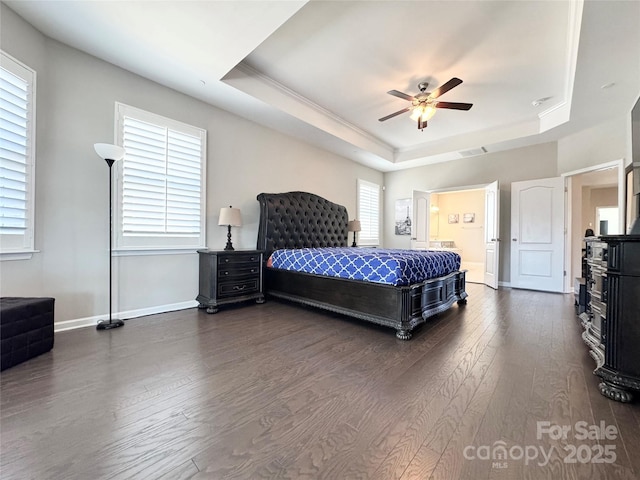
(403, 334)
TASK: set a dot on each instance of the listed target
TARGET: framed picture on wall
(453, 218)
(403, 216)
(468, 217)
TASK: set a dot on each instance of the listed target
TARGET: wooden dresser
(612, 318)
(229, 276)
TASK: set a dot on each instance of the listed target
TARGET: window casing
(160, 185)
(17, 158)
(368, 213)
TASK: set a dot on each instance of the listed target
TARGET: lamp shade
(230, 216)
(107, 151)
(354, 226)
(424, 112)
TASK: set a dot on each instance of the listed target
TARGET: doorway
(464, 220)
(594, 194)
(458, 224)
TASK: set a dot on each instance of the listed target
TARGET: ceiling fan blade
(454, 82)
(401, 95)
(394, 114)
(454, 105)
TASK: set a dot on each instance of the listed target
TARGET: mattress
(390, 267)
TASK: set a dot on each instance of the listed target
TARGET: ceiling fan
(423, 106)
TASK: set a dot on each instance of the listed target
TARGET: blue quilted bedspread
(392, 267)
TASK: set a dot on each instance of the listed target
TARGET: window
(17, 158)
(369, 213)
(160, 192)
(607, 221)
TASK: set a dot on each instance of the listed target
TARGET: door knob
(514, 239)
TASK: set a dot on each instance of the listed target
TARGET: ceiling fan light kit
(423, 106)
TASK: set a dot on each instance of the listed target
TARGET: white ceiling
(320, 70)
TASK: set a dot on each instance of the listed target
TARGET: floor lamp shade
(110, 153)
(230, 217)
(107, 151)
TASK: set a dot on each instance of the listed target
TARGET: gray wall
(603, 143)
(75, 109)
(539, 161)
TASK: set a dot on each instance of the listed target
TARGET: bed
(297, 220)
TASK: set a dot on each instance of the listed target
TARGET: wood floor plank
(186, 470)
(627, 442)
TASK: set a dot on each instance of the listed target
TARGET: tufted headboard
(299, 220)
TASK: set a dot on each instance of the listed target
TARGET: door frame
(568, 279)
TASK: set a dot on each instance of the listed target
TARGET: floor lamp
(110, 154)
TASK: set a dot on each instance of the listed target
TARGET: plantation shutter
(369, 213)
(17, 114)
(13, 161)
(161, 180)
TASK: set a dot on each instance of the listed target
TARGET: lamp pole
(110, 153)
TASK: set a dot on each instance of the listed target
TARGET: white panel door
(420, 221)
(537, 234)
(492, 234)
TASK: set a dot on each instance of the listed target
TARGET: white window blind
(17, 160)
(161, 183)
(369, 213)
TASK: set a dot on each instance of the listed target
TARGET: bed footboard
(402, 308)
(441, 293)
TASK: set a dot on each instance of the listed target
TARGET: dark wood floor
(282, 391)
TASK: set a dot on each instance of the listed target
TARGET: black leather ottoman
(26, 328)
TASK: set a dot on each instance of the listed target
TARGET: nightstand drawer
(229, 289)
(238, 271)
(239, 258)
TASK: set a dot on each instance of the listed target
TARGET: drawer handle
(226, 260)
(253, 259)
(237, 287)
(226, 273)
(253, 270)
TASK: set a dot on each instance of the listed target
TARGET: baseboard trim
(504, 284)
(141, 312)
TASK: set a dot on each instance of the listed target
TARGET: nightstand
(229, 276)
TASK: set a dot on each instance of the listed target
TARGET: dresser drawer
(630, 251)
(239, 258)
(241, 287)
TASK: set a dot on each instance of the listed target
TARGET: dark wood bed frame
(299, 220)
